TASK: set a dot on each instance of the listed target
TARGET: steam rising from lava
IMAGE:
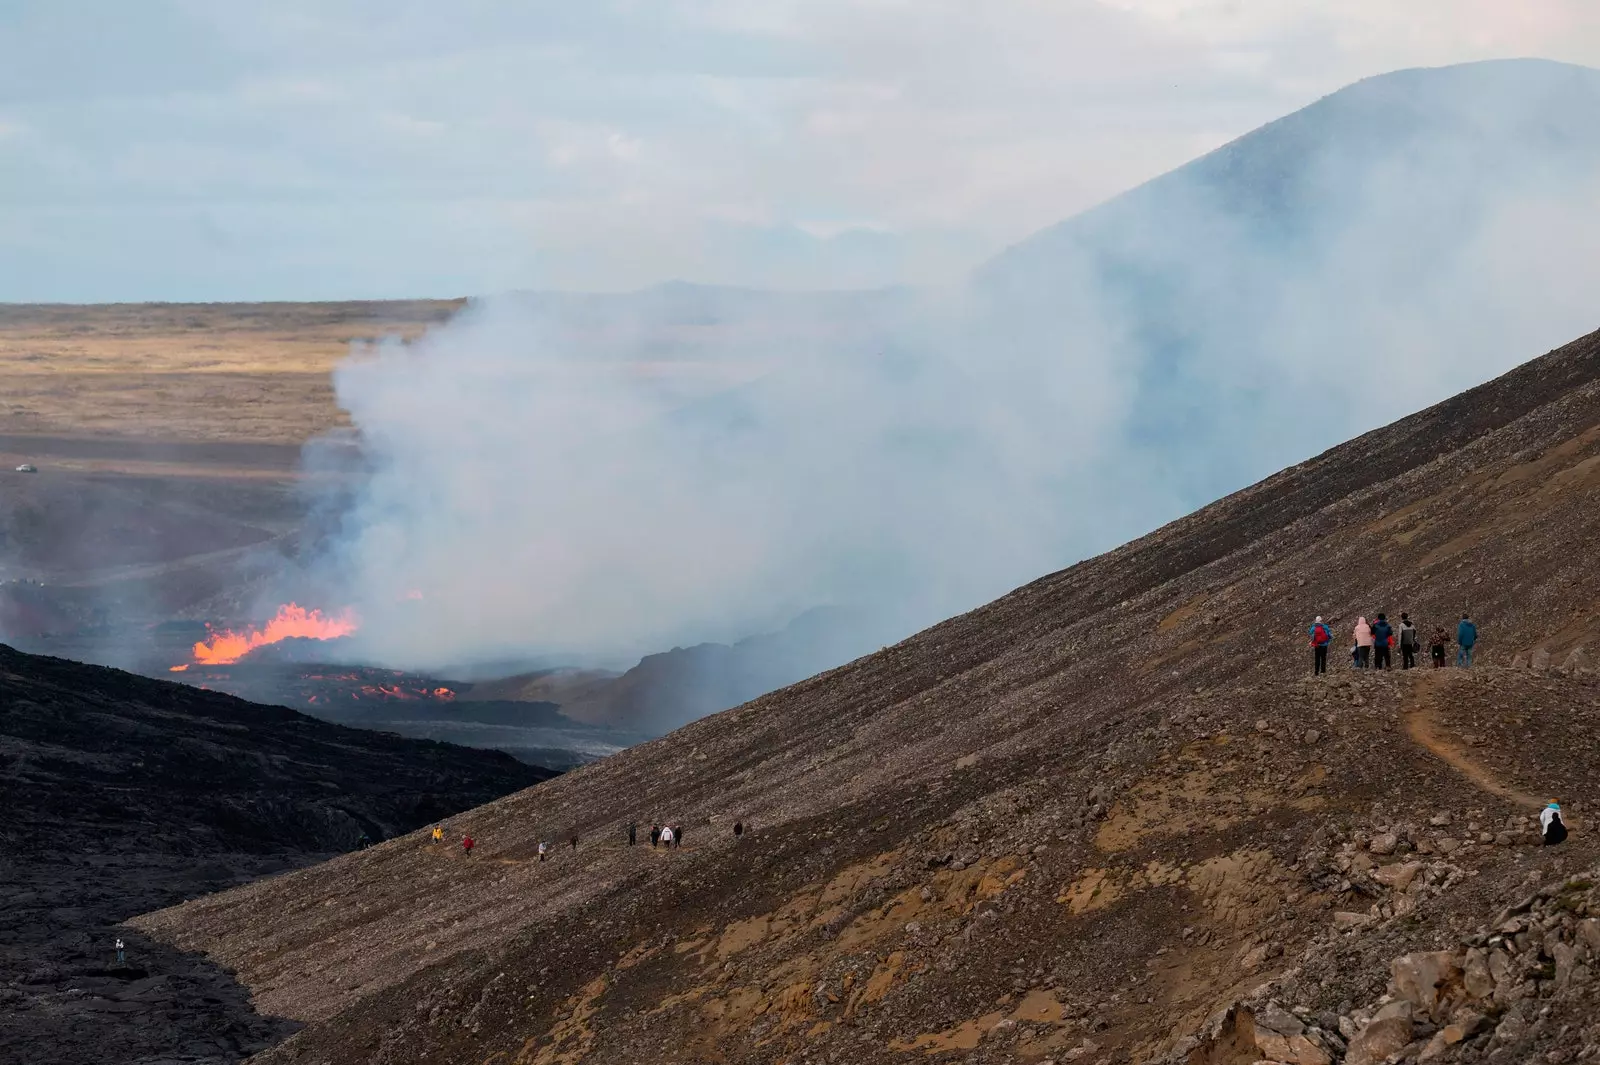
(227, 647)
(613, 475)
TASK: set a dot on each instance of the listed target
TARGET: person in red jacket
(466, 844)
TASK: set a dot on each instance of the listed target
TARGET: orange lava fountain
(227, 647)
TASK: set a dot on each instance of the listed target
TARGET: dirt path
(1426, 730)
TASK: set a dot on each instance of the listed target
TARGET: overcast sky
(322, 149)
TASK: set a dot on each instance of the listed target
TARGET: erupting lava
(227, 646)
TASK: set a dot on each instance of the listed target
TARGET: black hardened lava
(120, 795)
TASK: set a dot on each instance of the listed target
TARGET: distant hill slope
(1109, 817)
(1348, 263)
(121, 793)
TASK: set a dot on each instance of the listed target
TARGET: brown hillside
(1083, 823)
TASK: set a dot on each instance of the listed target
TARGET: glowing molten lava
(227, 647)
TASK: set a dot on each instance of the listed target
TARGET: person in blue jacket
(1466, 639)
(1321, 637)
(1382, 643)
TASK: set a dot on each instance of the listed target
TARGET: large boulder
(1475, 975)
(1426, 979)
(1387, 1033)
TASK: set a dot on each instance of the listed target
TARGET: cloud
(936, 124)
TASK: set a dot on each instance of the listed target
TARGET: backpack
(1320, 636)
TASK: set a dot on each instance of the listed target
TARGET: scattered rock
(1346, 921)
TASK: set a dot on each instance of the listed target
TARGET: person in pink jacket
(1363, 643)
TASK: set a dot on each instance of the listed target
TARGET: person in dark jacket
(1551, 827)
(1466, 640)
(1410, 640)
(738, 829)
(1382, 642)
(633, 833)
(1438, 644)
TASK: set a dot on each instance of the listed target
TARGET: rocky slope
(122, 794)
(1109, 817)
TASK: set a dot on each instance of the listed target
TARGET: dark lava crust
(120, 795)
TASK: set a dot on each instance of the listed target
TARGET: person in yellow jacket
(438, 834)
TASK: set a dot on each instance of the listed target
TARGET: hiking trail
(1425, 729)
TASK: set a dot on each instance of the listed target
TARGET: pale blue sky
(322, 149)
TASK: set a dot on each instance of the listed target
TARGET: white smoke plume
(610, 476)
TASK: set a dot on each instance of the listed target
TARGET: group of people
(660, 836)
(1375, 643)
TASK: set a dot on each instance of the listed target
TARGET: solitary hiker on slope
(544, 849)
(1320, 639)
(122, 953)
(438, 833)
(1409, 640)
(466, 844)
(633, 833)
(1382, 643)
(1551, 826)
(1466, 640)
(1363, 634)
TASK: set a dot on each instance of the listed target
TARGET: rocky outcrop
(1497, 996)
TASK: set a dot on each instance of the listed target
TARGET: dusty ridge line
(1423, 726)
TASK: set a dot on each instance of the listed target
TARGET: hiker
(677, 835)
(574, 842)
(666, 836)
(1551, 826)
(466, 844)
(1408, 642)
(1466, 640)
(438, 833)
(1320, 639)
(544, 849)
(655, 835)
(738, 829)
(122, 954)
(1363, 634)
(633, 833)
(1437, 644)
(1382, 642)
(363, 843)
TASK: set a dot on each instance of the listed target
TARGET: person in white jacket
(1551, 826)
(666, 835)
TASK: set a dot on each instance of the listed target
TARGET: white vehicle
(27, 467)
